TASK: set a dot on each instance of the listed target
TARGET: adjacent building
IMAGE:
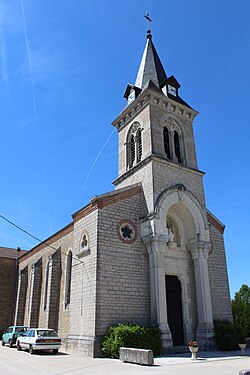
(8, 281)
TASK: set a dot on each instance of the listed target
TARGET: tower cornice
(156, 158)
(150, 96)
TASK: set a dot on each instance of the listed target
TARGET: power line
(36, 238)
(52, 247)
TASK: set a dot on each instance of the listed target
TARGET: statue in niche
(170, 235)
(171, 232)
(84, 241)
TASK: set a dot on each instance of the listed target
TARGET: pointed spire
(151, 67)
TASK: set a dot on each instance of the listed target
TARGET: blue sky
(64, 66)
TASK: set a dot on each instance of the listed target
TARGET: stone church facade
(148, 252)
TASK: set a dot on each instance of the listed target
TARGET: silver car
(39, 339)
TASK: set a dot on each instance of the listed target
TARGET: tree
(241, 309)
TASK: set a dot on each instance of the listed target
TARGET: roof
(151, 67)
(49, 241)
(151, 70)
(215, 222)
(179, 100)
(7, 252)
(104, 200)
(97, 202)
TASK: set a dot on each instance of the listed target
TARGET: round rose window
(126, 231)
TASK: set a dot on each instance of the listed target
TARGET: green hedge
(131, 336)
(227, 335)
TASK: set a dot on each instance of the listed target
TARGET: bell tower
(156, 131)
(157, 149)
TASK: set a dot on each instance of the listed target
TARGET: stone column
(156, 247)
(205, 331)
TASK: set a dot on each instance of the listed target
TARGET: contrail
(99, 153)
(3, 59)
(29, 60)
(35, 108)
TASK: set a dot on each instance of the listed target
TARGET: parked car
(11, 334)
(39, 339)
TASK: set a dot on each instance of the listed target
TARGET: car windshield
(21, 329)
(46, 333)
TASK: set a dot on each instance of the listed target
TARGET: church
(149, 251)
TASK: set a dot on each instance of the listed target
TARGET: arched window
(134, 145)
(177, 149)
(139, 145)
(68, 278)
(46, 286)
(173, 141)
(166, 142)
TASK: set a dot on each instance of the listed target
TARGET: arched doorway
(174, 309)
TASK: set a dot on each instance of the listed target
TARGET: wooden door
(174, 308)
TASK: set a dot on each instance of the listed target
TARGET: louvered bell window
(139, 146)
(166, 142)
(132, 150)
(177, 146)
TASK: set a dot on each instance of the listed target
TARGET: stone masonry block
(138, 356)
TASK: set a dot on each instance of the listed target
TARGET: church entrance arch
(174, 310)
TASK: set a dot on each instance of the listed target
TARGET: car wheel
(10, 343)
(18, 346)
(31, 350)
(3, 343)
(55, 351)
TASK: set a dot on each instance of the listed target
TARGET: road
(13, 362)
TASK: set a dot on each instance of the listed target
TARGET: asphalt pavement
(13, 362)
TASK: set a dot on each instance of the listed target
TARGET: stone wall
(218, 276)
(123, 286)
(167, 174)
(142, 174)
(82, 307)
(42, 306)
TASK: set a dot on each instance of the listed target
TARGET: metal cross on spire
(148, 20)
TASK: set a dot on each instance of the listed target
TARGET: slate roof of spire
(151, 67)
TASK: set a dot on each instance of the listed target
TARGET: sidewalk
(13, 362)
(202, 357)
(208, 363)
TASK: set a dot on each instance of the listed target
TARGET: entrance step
(181, 349)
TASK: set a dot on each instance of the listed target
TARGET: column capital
(155, 243)
(199, 249)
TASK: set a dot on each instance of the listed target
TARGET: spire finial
(148, 25)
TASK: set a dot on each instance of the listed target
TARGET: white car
(39, 339)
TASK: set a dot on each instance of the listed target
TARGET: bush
(226, 335)
(131, 336)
